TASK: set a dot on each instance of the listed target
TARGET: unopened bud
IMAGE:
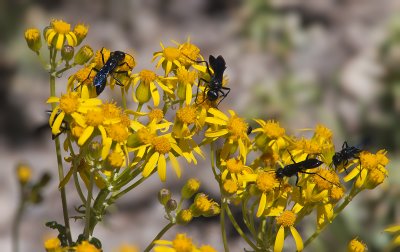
(67, 52)
(171, 205)
(163, 196)
(80, 31)
(84, 54)
(33, 39)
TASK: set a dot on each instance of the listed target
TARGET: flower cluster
(112, 148)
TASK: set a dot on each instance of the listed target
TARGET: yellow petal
(168, 68)
(393, 229)
(102, 131)
(261, 206)
(79, 119)
(218, 114)
(53, 115)
(149, 167)
(280, 238)
(175, 165)
(216, 133)
(297, 239)
(165, 88)
(71, 38)
(55, 129)
(162, 168)
(188, 93)
(85, 135)
(351, 175)
(53, 99)
(60, 41)
(215, 120)
(51, 37)
(154, 94)
(106, 147)
(85, 92)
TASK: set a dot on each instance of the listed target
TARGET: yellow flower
(33, 39)
(372, 171)
(181, 243)
(58, 32)
(24, 173)
(52, 244)
(234, 129)
(71, 105)
(85, 246)
(160, 147)
(147, 87)
(186, 80)
(271, 135)
(169, 58)
(80, 31)
(287, 220)
(356, 246)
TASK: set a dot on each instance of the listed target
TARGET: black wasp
(298, 167)
(115, 60)
(213, 88)
(343, 156)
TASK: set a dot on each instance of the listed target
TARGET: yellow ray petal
(85, 135)
(297, 239)
(280, 238)
(149, 167)
(261, 206)
(162, 168)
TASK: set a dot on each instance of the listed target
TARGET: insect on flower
(213, 88)
(115, 60)
(299, 167)
(343, 156)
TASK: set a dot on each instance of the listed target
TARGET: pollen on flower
(230, 186)
(273, 130)
(237, 126)
(323, 132)
(375, 177)
(156, 114)
(60, 26)
(116, 159)
(100, 55)
(94, 117)
(234, 165)
(184, 216)
(81, 30)
(111, 110)
(118, 132)
(76, 130)
(308, 146)
(269, 158)
(189, 53)
(368, 160)
(85, 246)
(52, 244)
(187, 114)
(266, 181)
(336, 193)
(69, 103)
(85, 75)
(286, 219)
(202, 203)
(181, 243)
(147, 76)
(145, 136)
(356, 246)
(326, 179)
(161, 144)
(186, 76)
(171, 53)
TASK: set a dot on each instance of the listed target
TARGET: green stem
(129, 188)
(58, 151)
(223, 229)
(237, 227)
(99, 207)
(158, 236)
(88, 207)
(17, 223)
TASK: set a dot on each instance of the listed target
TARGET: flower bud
(184, 217)
(80, 31)
(190, 188)
(171, 205)
(24, 173)
(84, 54)
(143, 94)
(164, 195)
(52, 245)
(33, 39)
(67, 52)
(356, 246)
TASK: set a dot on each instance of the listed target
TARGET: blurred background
(334, 62)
